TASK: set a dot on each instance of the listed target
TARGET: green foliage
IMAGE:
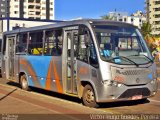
(146, 30)
(106, 17)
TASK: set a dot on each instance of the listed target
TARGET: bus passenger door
(9, 57)
(71, 62)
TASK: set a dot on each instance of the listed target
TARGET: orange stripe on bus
(48, 81)
(31, 71)
(59, 87)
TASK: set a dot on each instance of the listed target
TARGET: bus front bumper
(120, 92)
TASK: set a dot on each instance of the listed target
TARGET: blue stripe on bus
(40, 64)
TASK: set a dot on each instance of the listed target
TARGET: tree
(106, 17)
(146, 30)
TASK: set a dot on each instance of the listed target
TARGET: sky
(72, 9)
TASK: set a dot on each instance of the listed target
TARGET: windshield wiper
(117, 57)
(150, 60)
(129, 60)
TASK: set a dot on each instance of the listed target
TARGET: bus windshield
(121, 45)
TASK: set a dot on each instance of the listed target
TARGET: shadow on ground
(49, 93)
(77, 100)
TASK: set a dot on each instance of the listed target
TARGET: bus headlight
(119, 85)
(112, 83)
(116, 84)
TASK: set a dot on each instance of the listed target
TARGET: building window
(157, 2)
(157, 22)
(125, 19)
(140, 20)
(131, 19)
(51, 3)
(157, 9)
(2, 10)
(16, 6)
(38, 7)
(15, 12)
(30, 1)
(43, 8)
(120, 20)
(157, 16)
(37, 1)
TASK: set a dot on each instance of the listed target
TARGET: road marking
(154, 100)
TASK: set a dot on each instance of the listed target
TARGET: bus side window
(85, 47)
(35, 45)
(93, 56)
(21, 44)
(82, 49)
(53, 43)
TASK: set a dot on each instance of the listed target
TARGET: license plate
(137, 97)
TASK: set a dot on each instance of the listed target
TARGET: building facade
(32, 9)
(153, 15)
(136, 18)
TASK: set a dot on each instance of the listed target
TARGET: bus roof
(70, 23)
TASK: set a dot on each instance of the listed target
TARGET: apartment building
(153, 15)
(32, 9)
(136, 19)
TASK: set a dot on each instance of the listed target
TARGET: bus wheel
(24, 82)
(88, 97)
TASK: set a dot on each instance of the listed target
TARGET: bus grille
(133, 92)
(130, 72)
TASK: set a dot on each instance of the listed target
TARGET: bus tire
(88, 97)
(24, 82)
